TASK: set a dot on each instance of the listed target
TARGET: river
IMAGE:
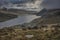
(25, 18)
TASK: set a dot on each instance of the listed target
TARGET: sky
(14, 1)
(51, 4)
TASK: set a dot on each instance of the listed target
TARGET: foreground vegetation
(38, 34)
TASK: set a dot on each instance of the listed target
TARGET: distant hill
(51, 17)
(5, 17)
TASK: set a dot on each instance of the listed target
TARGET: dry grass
(19, 34)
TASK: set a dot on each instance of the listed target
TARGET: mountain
(32, 5)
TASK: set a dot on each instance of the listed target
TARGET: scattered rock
(29, 36)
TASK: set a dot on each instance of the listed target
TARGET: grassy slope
(39, 34)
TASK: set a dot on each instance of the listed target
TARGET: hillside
(51, 17)
(5, 17)
(45, 28)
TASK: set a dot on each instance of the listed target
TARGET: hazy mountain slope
(51, 17)
(31, 5)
